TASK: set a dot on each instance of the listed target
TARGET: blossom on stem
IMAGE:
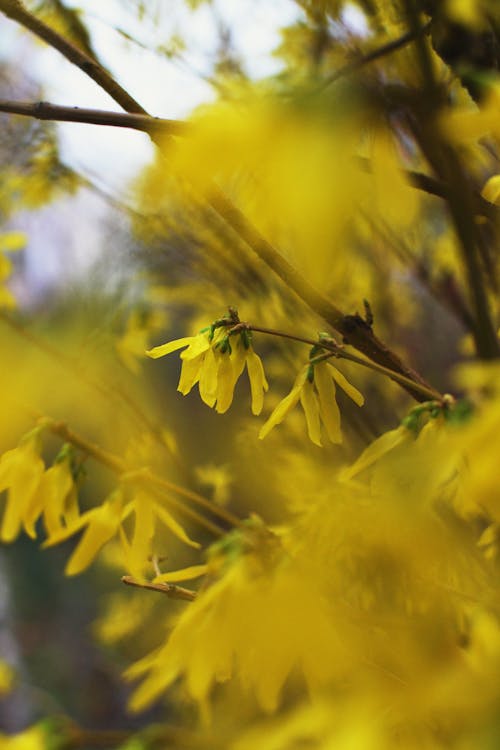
(105, 522)
(314, 387)
(215, 362)
(21, 470)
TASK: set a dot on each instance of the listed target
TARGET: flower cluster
(314, 387)
(215, 363)
(216, 357)
(34, 492)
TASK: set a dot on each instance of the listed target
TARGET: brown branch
(354, 329)
(47, 111)
(383, 51)
(170, 589)
(447, 165)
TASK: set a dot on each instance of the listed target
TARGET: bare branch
(171, 590)
(17, 12)
(386, 49)
(47, 111)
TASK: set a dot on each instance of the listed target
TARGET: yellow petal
(190, 374)
(491, 190)
(174, 526)
(144, 526)
(258, 382)
(21, 470)
(65, 532)
(13, 241)
(53, 490)
(284, 406)
(208, 378)
(347, 387)
(170, 346)
(198, 345)
(238, 357)
(309, 403)
(329, 410)
(102, 528)
(225, 383)
(186, 574)
(376, 450)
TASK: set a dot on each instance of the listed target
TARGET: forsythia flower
(103, 523)
(315, 388)
(235, 616)
(56, 496)
(100, 524)
(216, 366)
(21, 471)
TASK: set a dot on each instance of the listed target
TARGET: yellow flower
(56, 497)
(375, 451)
(100, 524)
(314, 387)
(216, 365)
(103, 523)
(21, 470)
(242, 625)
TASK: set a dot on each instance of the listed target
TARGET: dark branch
(47, 111)
(376, 54)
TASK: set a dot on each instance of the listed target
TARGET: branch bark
(55, 112)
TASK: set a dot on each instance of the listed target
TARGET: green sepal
(246, 337)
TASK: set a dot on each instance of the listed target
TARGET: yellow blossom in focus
(216, 364)
(314, 387)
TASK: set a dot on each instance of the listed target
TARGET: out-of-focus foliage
(335, 583)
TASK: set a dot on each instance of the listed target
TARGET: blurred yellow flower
(100, 524)
(21, 471)
(33, 738)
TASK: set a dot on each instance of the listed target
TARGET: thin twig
(338, 351)
(383, 51)
(16, 11)
(55, 112)
(169, 589)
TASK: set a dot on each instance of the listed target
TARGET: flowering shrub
(337, 581)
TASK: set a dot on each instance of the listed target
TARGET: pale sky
(61, 245)
(165, 88)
